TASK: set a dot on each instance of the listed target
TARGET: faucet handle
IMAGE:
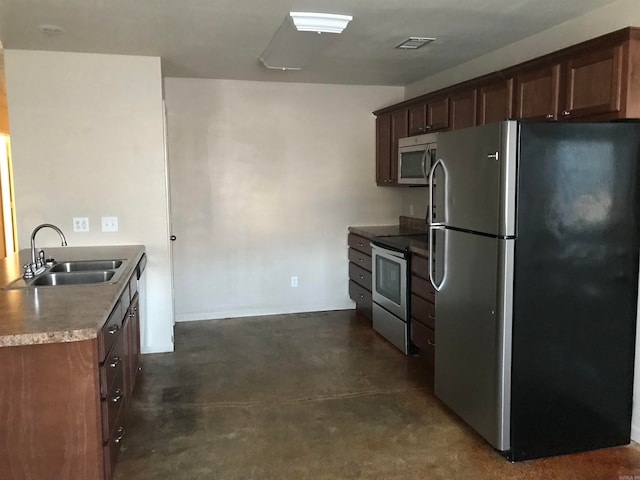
(28, 271)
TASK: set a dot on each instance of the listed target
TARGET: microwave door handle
(425, 155)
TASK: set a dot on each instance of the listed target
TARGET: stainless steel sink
(86, 265)
(73, 278)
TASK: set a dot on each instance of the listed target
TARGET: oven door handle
(433, 260)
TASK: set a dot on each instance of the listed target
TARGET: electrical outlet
(294, 282)
(109, 224)
(80, 224)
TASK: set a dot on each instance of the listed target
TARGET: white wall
(607, 19)
(265, 179)
(87, 141)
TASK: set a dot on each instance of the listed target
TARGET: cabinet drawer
(110, 331)
(423, 311)
(360, 259)
(359, 243)
(423, 288)
(420, 266)
(362, 297)
(424, 338)
(112, 404)
(112, 366)
(111, 448)
(360, 275)
(133, 285)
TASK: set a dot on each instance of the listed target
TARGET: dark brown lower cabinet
(423, 312)
(63, 406)
(360, 274)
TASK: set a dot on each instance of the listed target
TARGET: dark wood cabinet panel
(420, 266)
(360, 259)
(593, 83)
(359, 243)
(383, 149)
(495, 101)
(424, 311)
(417, 119)
(438, 114)
(422, 287)
(360, 276)
(362, 297)
(538, 93)
(464, 108)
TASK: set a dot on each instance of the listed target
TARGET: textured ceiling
(224, 38)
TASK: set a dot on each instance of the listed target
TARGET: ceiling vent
(413, 43)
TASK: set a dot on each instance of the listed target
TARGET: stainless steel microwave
(415, 157)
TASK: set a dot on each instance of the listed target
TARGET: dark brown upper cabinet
(538, 93)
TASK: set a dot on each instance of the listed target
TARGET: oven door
(389, 281)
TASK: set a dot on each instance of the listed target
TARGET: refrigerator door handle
(433, 260)
(443, 184)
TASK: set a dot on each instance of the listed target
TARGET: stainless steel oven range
(391, 292)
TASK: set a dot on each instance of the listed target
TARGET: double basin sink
(80, 272)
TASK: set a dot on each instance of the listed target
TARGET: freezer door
(473, 333)
(477, 169)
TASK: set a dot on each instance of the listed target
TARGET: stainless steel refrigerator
(535, 261)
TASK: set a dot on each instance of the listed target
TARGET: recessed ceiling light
(413, 43)
(50, 29)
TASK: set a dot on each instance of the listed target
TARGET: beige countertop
(64, 313)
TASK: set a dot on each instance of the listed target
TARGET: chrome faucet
(37, 264)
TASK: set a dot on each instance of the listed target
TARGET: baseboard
(193, 317)
(157, 348)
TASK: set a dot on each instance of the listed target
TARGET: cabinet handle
(433, 344)
(361, 295)
(361, 260)
(113, 329)
(117, 397)
(431, 317)
(361, 277)
(566, 113)
(549, 116)
(361, 244)
(115, 361)
(120, 433)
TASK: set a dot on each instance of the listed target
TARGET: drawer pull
(361, 295)
(120, 433)
(117, 397)
(361, 244)
(431, 317)
(115, 361)
(113, 329)
(361, 277)
(361, 260)
(433, 344)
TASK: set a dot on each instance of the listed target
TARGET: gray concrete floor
(311, 396)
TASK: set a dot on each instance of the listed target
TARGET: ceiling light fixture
(293, 47)
(320, 22)
(413, 43)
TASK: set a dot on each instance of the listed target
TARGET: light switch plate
(109, 224)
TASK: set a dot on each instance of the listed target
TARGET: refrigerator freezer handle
(443, 185)
(432, 259)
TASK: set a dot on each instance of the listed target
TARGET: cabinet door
(399, 129)
(438, 115)
(537, 93)
(383, 149)
(496, 101)
(464, 107)
(418, 119)
(593, 83)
